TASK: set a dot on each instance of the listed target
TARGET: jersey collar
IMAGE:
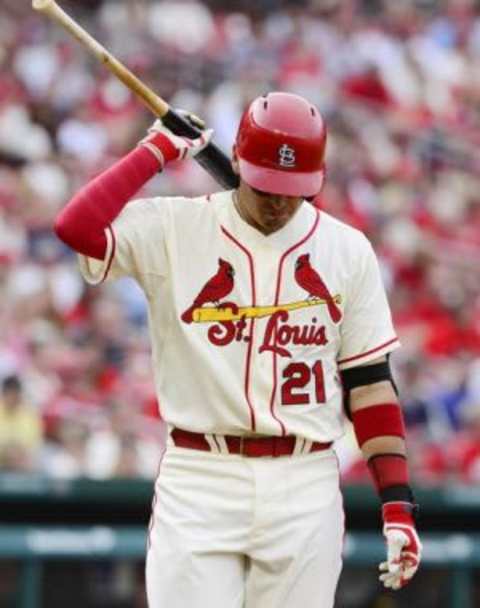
(296, 229)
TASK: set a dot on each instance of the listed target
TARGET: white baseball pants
(234, 532)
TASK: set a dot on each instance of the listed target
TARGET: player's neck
(245, 216)
(251, 212)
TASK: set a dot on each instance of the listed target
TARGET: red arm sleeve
(82, 222)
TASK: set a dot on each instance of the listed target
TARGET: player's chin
(275, 221)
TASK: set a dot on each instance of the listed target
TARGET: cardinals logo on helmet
(309, 279)
(214, 290)
(286, 156)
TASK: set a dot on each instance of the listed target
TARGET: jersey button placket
(266, 259)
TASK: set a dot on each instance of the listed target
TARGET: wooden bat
(212, 159)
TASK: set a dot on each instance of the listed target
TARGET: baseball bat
(212, 159)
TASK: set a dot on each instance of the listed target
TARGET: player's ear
(235, 167)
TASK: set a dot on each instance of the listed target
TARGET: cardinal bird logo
(214, 290)
(308, 279)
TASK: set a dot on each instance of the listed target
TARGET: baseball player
(269, 328)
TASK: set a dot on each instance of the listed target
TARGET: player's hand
(404, 548)
(166, 146)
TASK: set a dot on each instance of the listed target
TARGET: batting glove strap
(398, 493)
(166, 146)
(403, 545)
(399, 511)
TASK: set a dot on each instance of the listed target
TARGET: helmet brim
(275, 181)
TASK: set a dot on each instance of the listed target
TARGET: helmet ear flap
(311, 199)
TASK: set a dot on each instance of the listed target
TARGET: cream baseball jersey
(249, 331)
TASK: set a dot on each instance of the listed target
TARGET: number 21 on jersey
(298, 378)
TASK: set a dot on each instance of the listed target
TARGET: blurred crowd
(399, 86)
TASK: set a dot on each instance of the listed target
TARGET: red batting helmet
(281, 145)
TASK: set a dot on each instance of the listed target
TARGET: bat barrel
(155, 103)
(41, 5)
(212, 159)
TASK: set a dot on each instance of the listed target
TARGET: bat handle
(211, 158)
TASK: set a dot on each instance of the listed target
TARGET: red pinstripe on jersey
(252, 325)
(112, 253)
(368, 352)
(277, 297)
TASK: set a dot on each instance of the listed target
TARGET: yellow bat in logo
(211, 314)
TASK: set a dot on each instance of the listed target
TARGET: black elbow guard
(363, 375)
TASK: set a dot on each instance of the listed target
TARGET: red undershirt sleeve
(83, 222)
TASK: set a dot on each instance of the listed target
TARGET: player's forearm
(388, 465)
(379, 428)
(383, 444)
(82, 222)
